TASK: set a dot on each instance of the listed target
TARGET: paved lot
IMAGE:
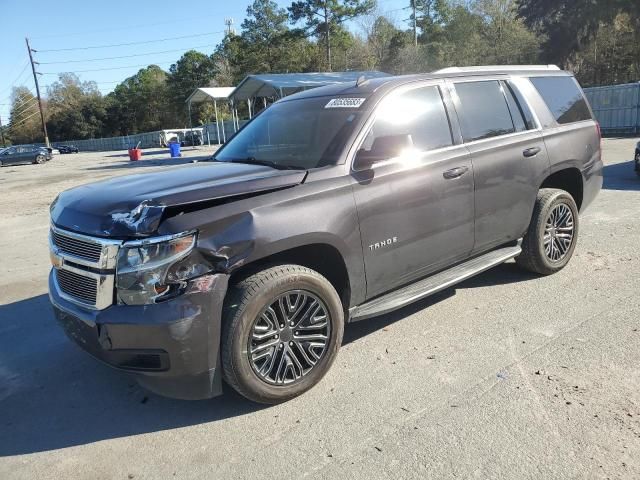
(506, 376)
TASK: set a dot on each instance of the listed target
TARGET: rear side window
(563, 97)
(419, 112)
(483, 110)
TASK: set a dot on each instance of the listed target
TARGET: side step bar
(433, 284)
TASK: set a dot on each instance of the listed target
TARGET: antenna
(229, 23)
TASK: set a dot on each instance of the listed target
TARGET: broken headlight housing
(152, 269)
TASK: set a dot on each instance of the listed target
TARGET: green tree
(612, 56)
(379, 37)
(193, 70)
(569, 25)
(506, 38)
(140, 104)
(76, 110)
(24, 119)
(324, 18)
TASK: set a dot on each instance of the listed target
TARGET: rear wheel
(553, 232)
(281, 332)
(40, 159)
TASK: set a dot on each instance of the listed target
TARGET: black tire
(246, 301)
(534, 257)
(40, 159)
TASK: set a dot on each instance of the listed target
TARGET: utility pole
(1, 131)
(327, 35)
(415, 27)
(35, 79)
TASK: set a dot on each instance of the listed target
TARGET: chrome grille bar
(84, 267)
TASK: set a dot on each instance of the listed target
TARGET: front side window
(563, 97)
(418, 113)
(483, 110)
(303, 134)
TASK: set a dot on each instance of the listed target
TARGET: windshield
(294, 134)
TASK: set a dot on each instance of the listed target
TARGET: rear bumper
(171, 347)
(592, 183)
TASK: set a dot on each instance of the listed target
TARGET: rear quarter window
(564, 98)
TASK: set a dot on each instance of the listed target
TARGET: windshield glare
(295, 133)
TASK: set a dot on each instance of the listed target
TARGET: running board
(433, 284)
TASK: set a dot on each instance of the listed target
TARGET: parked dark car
(24, 154)
(67, 148)
(333, 205)
(191, 139)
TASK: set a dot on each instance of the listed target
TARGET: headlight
(144, 270)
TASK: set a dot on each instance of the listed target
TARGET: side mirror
(383, 148)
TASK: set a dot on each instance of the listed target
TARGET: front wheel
(551, 238)
(281, 332)
(40, 159)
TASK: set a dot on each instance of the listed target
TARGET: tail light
(599, 130)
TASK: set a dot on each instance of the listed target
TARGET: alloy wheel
(558, 233)
(289, 337)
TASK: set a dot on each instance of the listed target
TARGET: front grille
(77, 247)
(82, 288)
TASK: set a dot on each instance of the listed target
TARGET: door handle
(455, 172)
(531, 152)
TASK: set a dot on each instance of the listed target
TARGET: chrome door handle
(455, 172)
(531, 152)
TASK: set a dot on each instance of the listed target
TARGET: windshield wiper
(266, 163)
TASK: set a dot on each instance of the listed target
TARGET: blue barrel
(174, 148)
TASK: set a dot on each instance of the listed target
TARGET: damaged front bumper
(172, 347)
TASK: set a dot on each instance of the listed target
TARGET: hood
(133, 205)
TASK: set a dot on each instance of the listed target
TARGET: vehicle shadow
(501, 275)
(620, 176)
(53, 395)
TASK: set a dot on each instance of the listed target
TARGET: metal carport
(279, 85)
(204, 94)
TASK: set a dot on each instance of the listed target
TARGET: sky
(150, 28)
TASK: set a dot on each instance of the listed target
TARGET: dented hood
(133, 205)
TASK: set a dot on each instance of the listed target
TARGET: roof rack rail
(497, 68)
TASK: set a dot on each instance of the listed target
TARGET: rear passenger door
(415, 210)
(508, 155)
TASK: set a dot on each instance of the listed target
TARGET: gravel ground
(507, 375)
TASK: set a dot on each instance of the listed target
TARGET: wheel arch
(324, 258)
(568, 179)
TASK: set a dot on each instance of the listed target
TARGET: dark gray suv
(331, 206)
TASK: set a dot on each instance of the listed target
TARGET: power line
(123, 56)
(116, 29)
(127, 44)
(17, 78)
(22, 101)
(110, 68)
(15, 113)
(23, 121)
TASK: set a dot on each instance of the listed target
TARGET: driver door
(416, 209)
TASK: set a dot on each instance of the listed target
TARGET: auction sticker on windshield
(345, 102)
